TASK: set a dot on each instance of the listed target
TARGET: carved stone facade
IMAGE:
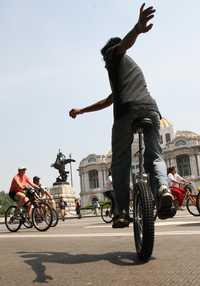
(180, 149)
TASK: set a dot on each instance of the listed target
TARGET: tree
(5, 202)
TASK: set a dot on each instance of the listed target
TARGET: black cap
(36, 178)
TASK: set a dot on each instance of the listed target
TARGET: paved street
(90, 252)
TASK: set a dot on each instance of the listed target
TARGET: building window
(167, 137)
(161, 139)
(180, 143)
(183, 165)
(93, 179)
(91, 159)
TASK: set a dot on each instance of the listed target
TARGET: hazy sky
(50, 62)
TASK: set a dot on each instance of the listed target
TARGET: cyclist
(175, 183)
(44, 192)
(131, 100)
(17, 188)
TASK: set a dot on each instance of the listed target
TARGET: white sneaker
(165, 198)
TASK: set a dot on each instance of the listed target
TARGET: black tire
(42, 216)
(191, 205)
(198, 202)
(106, 212)
(143, 221)
(55, 218)
(13, 219)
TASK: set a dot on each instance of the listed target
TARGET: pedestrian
(109, 193)
(62, 206)
(78, 208)
(132, 101)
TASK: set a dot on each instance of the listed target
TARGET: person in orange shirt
(18, 184)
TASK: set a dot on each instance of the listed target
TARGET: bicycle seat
(144, 122)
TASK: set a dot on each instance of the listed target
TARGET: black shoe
(166, 213)
(120, 221)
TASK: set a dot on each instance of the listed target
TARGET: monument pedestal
(66, 192)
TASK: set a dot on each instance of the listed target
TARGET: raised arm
(142, 26)
(94, 107)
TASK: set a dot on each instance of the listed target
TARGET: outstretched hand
(74, 112)
(145, 16)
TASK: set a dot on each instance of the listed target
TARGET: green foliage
(90, 206)
(5, 202)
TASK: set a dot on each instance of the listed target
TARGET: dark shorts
(12, 195)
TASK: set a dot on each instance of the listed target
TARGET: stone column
(100, 178)
(197, 157)
(193, 165)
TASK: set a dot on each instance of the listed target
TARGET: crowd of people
(21, 182)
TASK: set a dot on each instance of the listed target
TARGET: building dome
(165, 123)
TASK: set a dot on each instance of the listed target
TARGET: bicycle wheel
(106, 212)
(42, 216)
(143, 221)
(55, 218)
(198, 202)
(13, 219)
(191, 205)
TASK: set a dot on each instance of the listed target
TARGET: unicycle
(143, 206)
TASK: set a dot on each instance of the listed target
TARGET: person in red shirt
(18, 184)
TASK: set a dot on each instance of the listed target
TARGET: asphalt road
(90, 252)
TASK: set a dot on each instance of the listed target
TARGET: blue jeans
(154, 165)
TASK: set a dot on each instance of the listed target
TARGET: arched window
(183, 165)
(180, 143)
(93, 179)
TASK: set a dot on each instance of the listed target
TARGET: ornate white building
(180, 149)
(93, 172)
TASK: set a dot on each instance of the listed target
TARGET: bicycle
(198, 200)
(191, 200)
(42, 194)
(107, 210)
(41, 217)
(55, 217)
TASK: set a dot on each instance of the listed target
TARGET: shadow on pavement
(36, 260)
